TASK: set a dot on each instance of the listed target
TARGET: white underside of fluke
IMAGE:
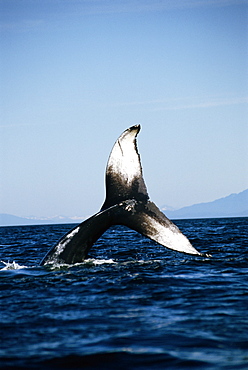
(170, 237)
(124, 159)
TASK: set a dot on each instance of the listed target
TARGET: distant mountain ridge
(11, 220)
(234, 205)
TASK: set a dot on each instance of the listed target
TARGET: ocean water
(132, 305)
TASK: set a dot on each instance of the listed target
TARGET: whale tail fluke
(149, 221)
(124, 178)
(126, 203)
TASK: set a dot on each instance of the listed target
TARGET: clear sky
(74, 74)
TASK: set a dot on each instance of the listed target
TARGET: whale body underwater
(127, 203)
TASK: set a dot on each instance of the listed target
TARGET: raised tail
(126, 203)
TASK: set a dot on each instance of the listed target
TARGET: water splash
(12, 266)
(89, 261)
(99, 261)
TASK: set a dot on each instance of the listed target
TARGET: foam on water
(90, 261)
(12, 266)
(99, 261)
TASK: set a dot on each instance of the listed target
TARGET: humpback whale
(126, 203)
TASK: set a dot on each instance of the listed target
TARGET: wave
(111, 360)
(123, 360)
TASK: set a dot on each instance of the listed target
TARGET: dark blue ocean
(132, 305)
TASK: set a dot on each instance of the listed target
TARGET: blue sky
(75, 74)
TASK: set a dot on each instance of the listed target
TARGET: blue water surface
(132, 305)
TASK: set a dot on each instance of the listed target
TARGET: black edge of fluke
(126, 203)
